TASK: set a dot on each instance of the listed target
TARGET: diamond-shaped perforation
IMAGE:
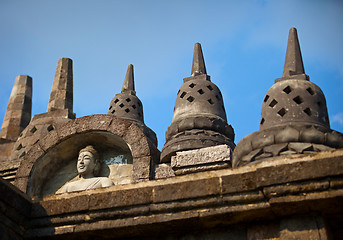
(308, 111)
(33, 130)
(121, 105)
(50, 128)
(190, 99)
(210, 87)
(273, 103)
(127, 110)
(210, 101)
(200, 91)
(134, 106)
(183, 94)
(266, 98)
(19, 147)
(128, 100)
(262, 121)
(298, 100)
(192, 85)
(310, 91)
(282, 112)
(115, 101)
(287, 89)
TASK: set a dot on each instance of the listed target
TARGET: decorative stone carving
(88, 166)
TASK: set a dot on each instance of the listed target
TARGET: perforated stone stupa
(294, 116)
(199, 119)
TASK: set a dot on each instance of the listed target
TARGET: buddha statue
(88, 167)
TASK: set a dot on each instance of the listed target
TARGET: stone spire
(199, 118)
(294, 116)
(129, 84)
(18, 113)
(61, 96)
(294, 67)
(198, 66)
(128, 106)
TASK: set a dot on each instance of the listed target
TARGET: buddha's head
(88, 163)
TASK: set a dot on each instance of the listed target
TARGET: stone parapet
(270, 192)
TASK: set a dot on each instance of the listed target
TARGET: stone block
(185, 190)
(57, 206)
(303, 228)
(288, 134)
(221, 153)
(262, 139)
(119, 126)
(49, 140)
(313, 167)
(263, 231)
(93, 122)
(67, 129)
(120, 198)
(141, 168)
(239, 182)
(295, 188)
(164, 171)
(245, 197)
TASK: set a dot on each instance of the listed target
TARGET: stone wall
(297, 197)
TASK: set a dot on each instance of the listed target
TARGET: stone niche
(114, 153)
(126, 153)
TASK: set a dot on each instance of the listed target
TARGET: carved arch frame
(144, 153)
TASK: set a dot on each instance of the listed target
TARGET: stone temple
(102, 176)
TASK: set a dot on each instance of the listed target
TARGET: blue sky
(244, 45)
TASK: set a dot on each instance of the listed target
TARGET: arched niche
(60, 147)
(58, 165)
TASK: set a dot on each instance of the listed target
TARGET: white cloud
(337, 118)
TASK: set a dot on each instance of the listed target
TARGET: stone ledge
(232, 195)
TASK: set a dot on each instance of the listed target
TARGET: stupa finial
(294, 67)
(129, 83)
(198, 66)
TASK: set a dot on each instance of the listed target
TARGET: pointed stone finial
(198, 66)
(294, 67)
(129, 83)
(61, 96)
(18, 113)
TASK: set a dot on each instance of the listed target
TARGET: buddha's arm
(106, 182)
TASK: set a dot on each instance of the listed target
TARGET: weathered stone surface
(163, 171)
(303, 228)
(61, 96)
(18, 113)
(185, 190)
(300, 170)
(263, 231)
(221, 153)
(99, 122)
(294, 188)
(121, 198)
(238, 182)
(141, 168)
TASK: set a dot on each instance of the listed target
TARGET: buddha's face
(85, 164)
